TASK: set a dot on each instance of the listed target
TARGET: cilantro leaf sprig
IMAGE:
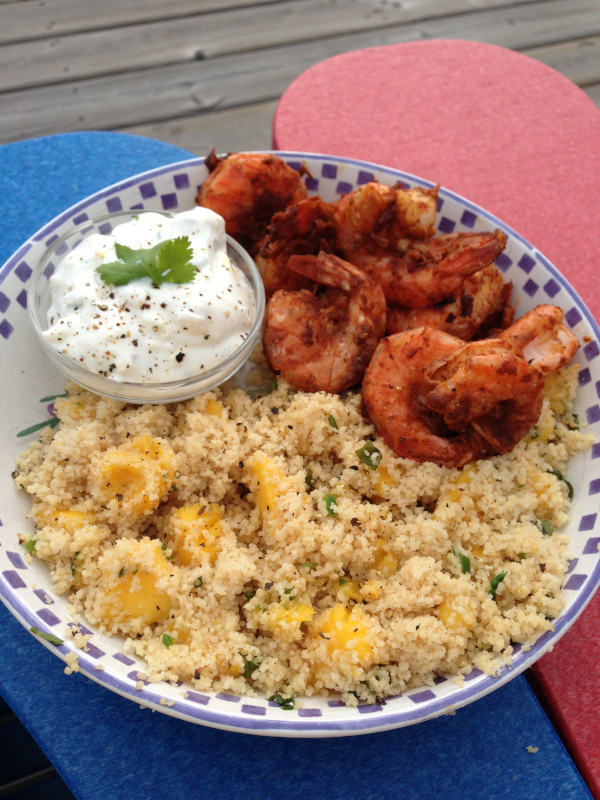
(166, 262)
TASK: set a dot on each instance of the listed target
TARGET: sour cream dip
(144, 333)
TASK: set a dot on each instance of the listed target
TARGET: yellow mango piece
(385, 561)
(271, 480)
(279, 617)
(195, 530)
(227, 667)
(345, 630)
(454, 620)
(214, 408)
(138, 474)
(384, 479)
(370, 591)
(350, 590)
(451, 618)
(144, 601)
(135, 595)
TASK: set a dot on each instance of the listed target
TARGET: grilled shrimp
(324, 341)
(480, 301)
(378, 216)
(304, 228)
(490, 389)
(246, 189)
(424, 273)
(542, 339)
(433, 397)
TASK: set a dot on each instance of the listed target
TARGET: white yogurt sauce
(144, 333)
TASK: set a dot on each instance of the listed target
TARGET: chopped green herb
(558, 474)
(547, 527)
(573, 423)
(198, 582)
(465, 561)
(249, 667)
(73, 563)
(30, 545)
(534, 433)
(342, 581)
(307, 565)
(121, 572)
(250, 594)
(523, 556)
(167, 640)
(370, 455)
(49, 637)
(309, 480)
(332, 422)
(495, 582)
(166, 262)
(330, 501)
(286, 703)
(289, 590)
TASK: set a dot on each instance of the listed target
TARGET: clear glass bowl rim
(40, 325)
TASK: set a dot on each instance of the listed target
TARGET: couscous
(273, 544)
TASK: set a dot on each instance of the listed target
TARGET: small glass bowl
(130, 392)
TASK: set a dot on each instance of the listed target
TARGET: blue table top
(107, 747)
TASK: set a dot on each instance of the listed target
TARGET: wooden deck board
(200, 73)
(204, 36)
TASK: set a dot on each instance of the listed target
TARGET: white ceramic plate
(26, 405)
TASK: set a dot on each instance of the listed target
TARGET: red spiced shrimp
(246, 189)
(323, 341)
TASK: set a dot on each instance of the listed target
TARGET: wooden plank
(593, 92)
(198, 37)
(243, 128)
(35, 19)
(235, 129)
(578, 60)
(152, 95)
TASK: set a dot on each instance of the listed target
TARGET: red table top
(522, 141)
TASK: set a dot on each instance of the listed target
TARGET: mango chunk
(453, 619)
(215, 408)
(134, 598)
(345, 630)
(271, 482)
(384, 561)
(138, 474)
(370, 591)
(384, 480)
(195, 530)
(284, 619)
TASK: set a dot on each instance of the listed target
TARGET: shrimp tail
(329, 270)
(473, 253)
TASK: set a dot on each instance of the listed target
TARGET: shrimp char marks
(434, 397)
